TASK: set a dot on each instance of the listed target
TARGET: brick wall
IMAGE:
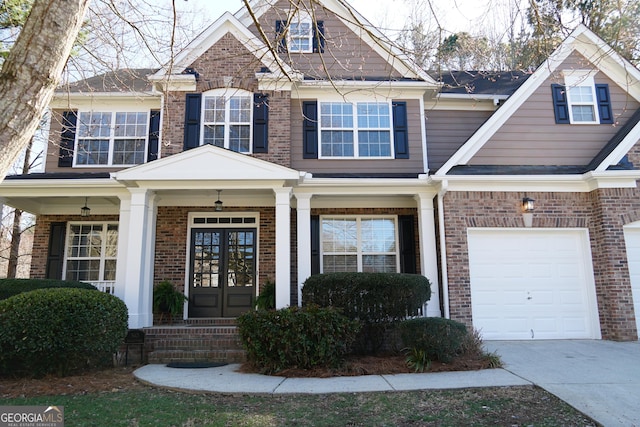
(229, 64)
(603, 212)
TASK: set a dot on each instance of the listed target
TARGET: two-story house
(238, 164)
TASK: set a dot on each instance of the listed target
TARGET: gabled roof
(207, 163)
(124, 80)
(501, 83)
(581, 40)
(226, 24)
(371, 35)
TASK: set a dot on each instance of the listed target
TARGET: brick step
(220, 343)
(168, 356)
(199, 332)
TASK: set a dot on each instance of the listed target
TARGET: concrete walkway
(599, 378)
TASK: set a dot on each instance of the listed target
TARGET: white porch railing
(107, 286)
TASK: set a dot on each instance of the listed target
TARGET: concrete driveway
(599, 378)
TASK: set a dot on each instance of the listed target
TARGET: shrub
(377, 300)
(441, 339)
(11, 287)
(296, 337)
(267, 298)
(60, 331)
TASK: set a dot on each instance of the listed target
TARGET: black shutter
(604, 103)
(310, 130)
(318, 37)
(281, 37)
(192, 120)
(154, 135)
(67, 139)
(55, 255)
(400, 131)
(560, 104)
(315, 244)
(406, 232)
(260, 123)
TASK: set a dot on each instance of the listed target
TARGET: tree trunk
(32, 71)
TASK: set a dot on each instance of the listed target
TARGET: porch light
(527, 211)
(218, 202)
(85, 211)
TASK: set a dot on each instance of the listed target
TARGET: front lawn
(102, 399)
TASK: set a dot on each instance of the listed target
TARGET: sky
(454, 15)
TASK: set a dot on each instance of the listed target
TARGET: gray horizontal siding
(531, 136)
(448, 130)
(384, 166)
(346, 56)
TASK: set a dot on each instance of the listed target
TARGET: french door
(222, 271)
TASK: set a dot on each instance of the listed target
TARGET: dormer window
(580, 100)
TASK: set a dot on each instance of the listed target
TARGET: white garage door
(632, 239)
(532, 284)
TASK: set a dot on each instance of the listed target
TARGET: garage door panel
(632, 240)
(540, 281)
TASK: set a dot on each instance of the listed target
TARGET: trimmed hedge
(11, 287)
(441, 339)
(296, 337)
(59, 331)
(377, 300)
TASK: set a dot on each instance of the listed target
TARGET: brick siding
(604, 212)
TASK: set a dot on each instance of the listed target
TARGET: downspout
(443, 248)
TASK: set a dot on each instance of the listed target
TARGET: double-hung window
(359, 244)
(362, 129)
(580, 100)
(226, 119)
(581, 97)
(91, 252)
(111, 138)
(300, 36)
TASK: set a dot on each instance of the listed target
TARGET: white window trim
(581, 78)
(359, 254)
(301, 18)
(103, 258)
(356, 147)
(112, 138)
(227, 93)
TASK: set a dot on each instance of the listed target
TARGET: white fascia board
(471, 96)
(94, 102)
(213, 184)
(363, 186)
(174, 82)
(59, 187)
(576, 183)
(621, 150)
(354, 91)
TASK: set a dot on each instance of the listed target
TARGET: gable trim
(575, 42)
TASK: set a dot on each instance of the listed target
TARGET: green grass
(152, 407)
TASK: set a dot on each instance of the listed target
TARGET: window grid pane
(227, 121)
(359, 244)
(91, 252)
(367, 135)
(300, 37)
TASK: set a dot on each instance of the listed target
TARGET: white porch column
(303, 210)
(428, 253)
(135, 255)
(283, 246)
